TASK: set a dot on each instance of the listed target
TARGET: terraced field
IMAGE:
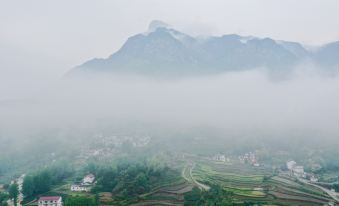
(170, 192)
(171, 195)
(246, 182)
(258, 184)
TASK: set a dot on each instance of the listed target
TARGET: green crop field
(258, 184)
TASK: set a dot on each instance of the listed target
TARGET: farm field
(246, 183)
(257, 184)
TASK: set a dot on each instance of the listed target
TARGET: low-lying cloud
(237, 102)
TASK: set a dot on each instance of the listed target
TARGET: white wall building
(220, 158)
(50, 201)
(298, 171)
(291, 164)
(80, 188)
(88, 179)
(313, 179)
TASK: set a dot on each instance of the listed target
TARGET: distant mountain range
(165, 51)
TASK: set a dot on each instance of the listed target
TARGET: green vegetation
(215, 196)
(129, 179)
(3, 199)
(81, 201)
(13, 191)
(336, 187)
(42, 180)
(156, 180)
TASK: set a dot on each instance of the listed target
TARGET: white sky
(42, 39)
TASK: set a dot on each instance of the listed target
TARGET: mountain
(165, 51)
(328, 55)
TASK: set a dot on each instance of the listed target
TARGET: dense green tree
(216, 196)
(28, 186)
(97, 199)
(42, 181)
(336, 187)
(193, 196)
(141, 182)
(59, 171)
(3, 198)
(80, 201)
(107, 179)
(13, 192)
(129, 179)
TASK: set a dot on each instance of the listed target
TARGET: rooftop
(50, 198)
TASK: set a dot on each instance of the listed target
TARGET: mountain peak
(155, 24)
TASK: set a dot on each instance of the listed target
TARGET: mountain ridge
(163, 50)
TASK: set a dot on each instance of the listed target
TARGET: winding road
(189, 177)
(332, 194)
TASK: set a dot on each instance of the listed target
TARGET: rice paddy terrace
(167, 193)
(246, 182)
(258, 184)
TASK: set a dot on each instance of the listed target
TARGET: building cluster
(298, 171)
(295, 169)
(117, 141)
(106, 146)
(249, 158)
(220, 158)
(85, 185)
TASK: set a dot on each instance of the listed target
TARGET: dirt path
(189, 178)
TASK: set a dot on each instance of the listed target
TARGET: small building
(291, 164)
(298, 171)
(80, 188)
(50, 201)
(220, 158)
(313, 179)
(88, 179)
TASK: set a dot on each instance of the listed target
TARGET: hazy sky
(41, 39)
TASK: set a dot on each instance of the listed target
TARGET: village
(246, 158)
(105, 146)
(84, 186)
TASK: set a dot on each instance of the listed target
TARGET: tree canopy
(13, 192)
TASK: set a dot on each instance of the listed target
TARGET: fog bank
(237, 102)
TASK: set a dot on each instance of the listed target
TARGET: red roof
(50, 198)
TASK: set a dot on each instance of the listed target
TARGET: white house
(291, 164)
(85, 185)
(88, 179)
(50, 201)
(80, 188)
(298, 171)
(313, 179)
(220, 158)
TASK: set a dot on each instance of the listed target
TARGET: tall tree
(3, 198)
(80, 201)
(14, 192)
(42, 181)
(28, 186)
